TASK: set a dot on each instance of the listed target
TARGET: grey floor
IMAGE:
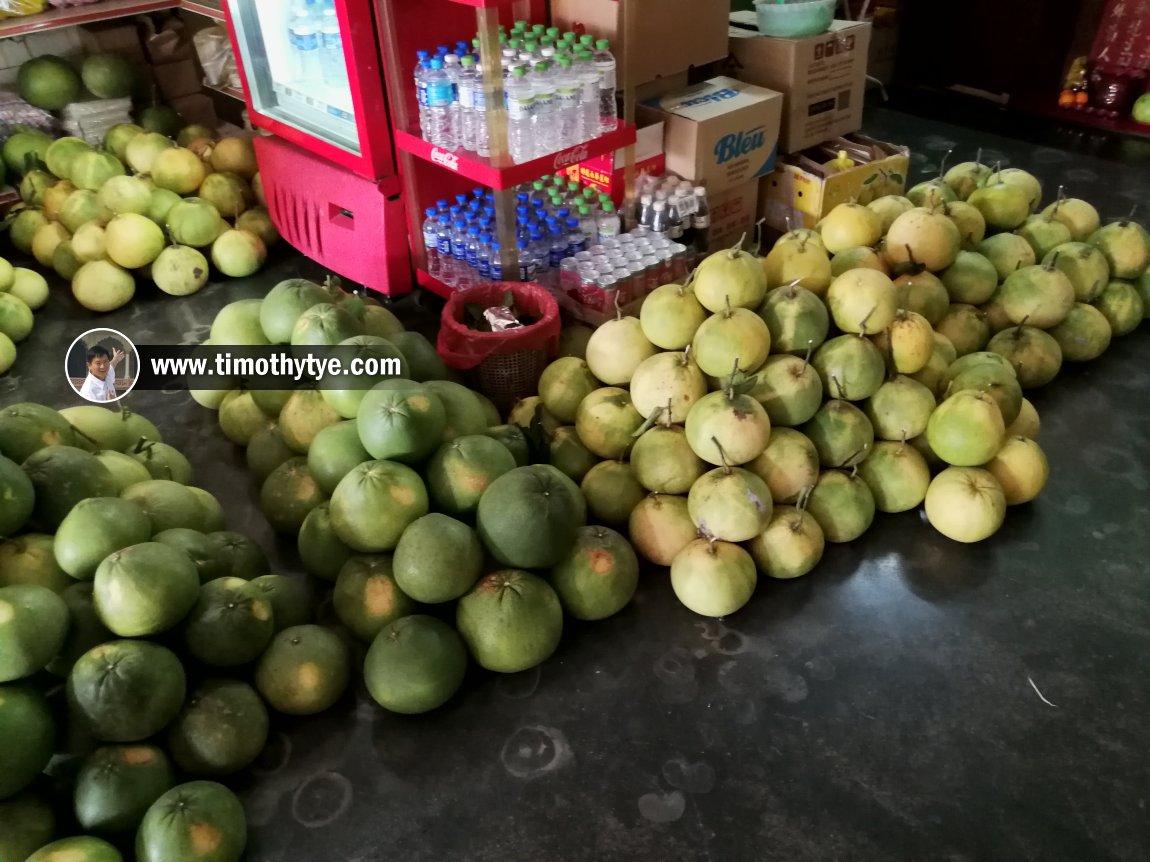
(886, 707)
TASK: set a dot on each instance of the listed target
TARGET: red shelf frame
(481, 170)
(208, 10)
(56, 19)
(429, 281)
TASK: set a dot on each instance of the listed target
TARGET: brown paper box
(197, 110)
(733, 215)
(672, 35)
(823, 78)
(116, 38)
(178, 79)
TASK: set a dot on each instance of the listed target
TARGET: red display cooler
(313, 77)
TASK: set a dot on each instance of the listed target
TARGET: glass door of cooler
(314, 77)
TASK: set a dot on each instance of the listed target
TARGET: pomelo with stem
(732, 277)
(1079, 216)
(908, 342)
(1084, 334)
(668, 379)
(840, 432)
(900, 409)
(972, 278)
(730, 503)
(965, 504)
(1126, 246)
(1044, 233)
(969, 221)
(923, 236)
(1020, 179)
(890, 207)
(1021, 469)
(1008, 252)
(663, 461)
(671, 315)
(713, 578)
(789, 464)
(1004, 206)
(842, 504)
(848, 226)
(803, 262)
(796, 318)
(851, 367)
(862, 301)
(1121, 304)
(1035, 355)
(732, 335)
(897, 475)
(789, 389)
(1084, 265)
(791, 545)
(923, 293)
(862, 257)
(965, 177)
(738, 422)
(999, 383)
(966, 429)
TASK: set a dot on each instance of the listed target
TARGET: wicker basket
(504, 366)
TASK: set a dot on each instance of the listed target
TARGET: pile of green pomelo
(158, 200)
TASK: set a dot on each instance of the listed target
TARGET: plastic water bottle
(659, 223)
(451, 68)
(421, 70)
(443, 244)
(496, 262)
(607, 225)
(543, 112)
(484, 255)
(331, 50)
(588, 97)
(305, 42)
(567, 96)
(431, 242)
(459, 253)
(439, 131)
(605, 65)
(528, 266)
(520, 98)
(473, 244)
(481, 134)
(576, 240)
(466, 85)
(541, 252)
(587, 225)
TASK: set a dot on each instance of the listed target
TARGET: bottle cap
(700, 191)
(553, 31)
(468, 61)
(608, 207)
(603, 45)
(564, 63)
(429, 212)
(660, 205)
(531, 45)
(586, 39)
(572, 222)
(541, 68)
(538, 28)
(422, 55)
(584, 211)
(451, 58)
(518, 71)
(437, 63)
(442, 49)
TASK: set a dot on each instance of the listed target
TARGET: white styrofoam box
(13, 52)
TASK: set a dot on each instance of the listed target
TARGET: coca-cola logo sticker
(444, 158)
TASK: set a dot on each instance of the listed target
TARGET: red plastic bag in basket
(464, 348)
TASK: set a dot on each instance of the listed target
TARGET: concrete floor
(886, 707)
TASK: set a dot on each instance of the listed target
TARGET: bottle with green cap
(605, 65)
(543, 111)
(520, 97)
(607, 225)
(567, 94)
(590, 96)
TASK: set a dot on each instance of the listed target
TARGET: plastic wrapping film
(14, 112)
(20, 8)
(214, 48)
(465, 348)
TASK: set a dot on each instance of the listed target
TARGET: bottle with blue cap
(439, 101)
(431, 241)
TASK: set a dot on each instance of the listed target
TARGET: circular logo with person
(102, 365)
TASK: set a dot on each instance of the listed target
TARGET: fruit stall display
(746, 418)
(156, 202)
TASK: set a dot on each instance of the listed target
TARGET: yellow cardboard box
(803, 188)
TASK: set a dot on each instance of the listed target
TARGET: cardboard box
(116, 38)
(721, 133)
(733, 215)
(197, 109)
(823, 78)
(883, 55)
(804, 191)
(178, 79)
(606, 173)
(671, 35)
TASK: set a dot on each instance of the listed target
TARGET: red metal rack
(55, 19)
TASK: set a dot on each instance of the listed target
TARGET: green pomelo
(200, 821)
(667, 382)
(791, 545)
(464, 414)
(64, 263)
(404, 425)
(271, 401)
(179, 170)
(126, 690)
(964, 327)
(965, 504)
(91, 170)
(324, 324)
(205, 555)
(932, 193)
(972, 278)
(611, 491)
(511, 620)
(238, 253)
(126, 195)
(1034, 354)
(1004, 206)
(17, 498)
(661, 526)
(1000, 384)
(238, 323)
(145, 589)
(789, 389)
(85, 630)
(160, 205)
(713, 579)
(180, 271)
(514, 439)
(285, 303)
(100, 285)
(371, 348)
(102, 426)
(27, 428)
(1007, 252)
(730, 504)
(415, 665)
(1038, 296)
(193, 222)
(118, 137)
(82, 849)
(334, 452)
(126, 470)
(663, 462)
(462, 470)
(850, 368)
(15, 318)
(243, 557)
(1084, 334)
(490, 411)
(965, 177)
(860, 257)
(161, 119)
(167, 504)
(321, 551)
(163, 461)
(24, 227)
(842, 505)
(423, 362)
(62, 476)
(733, 338)
(598, 577)
(24, 148)
(789, 464)
(289, 597)
(26, 824)
(900, 409)
(304, 671)
(49, 82)
(366, 596)
(797, 320)
(897, 475)
(241, 419)
(564, 385)
(27, 737)
(862, 301)
(227, 192)
(118, 783)
(528, 516)
(35, 184)
(568, 455)
(1122, 306)
(966, 429)
(1044, 233)
(725, 430)
(841, 433)
(670, 317)
(1085, 266)
(95, 528)
(731, 277)
(230, 625)
(526, 412)
(288, 495)
(7, 353)
(222, 729)
(438, 559)
(108, 76)
(375, 503)
(1126, 247)
(30, 559)
(606, 422)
